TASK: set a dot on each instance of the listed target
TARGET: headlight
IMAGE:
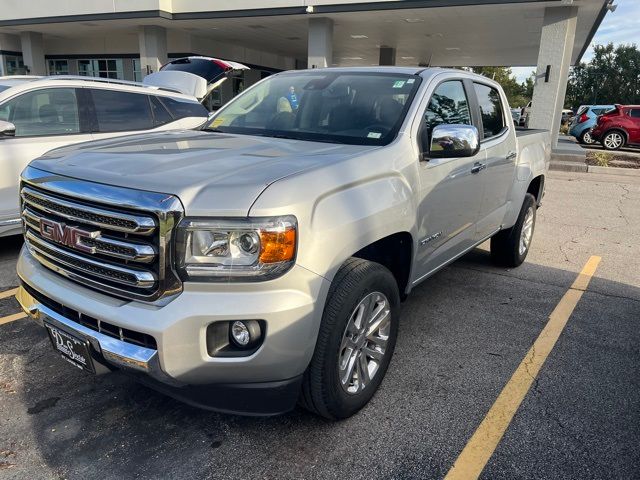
(243, 249)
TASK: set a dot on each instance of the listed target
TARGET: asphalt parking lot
(463, 334)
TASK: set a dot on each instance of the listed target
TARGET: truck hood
(212, 173)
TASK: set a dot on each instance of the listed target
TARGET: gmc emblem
(67, 235)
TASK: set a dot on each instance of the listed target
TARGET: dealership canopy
(39, 36)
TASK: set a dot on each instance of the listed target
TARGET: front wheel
(356, 340)
(586, 138)
(613, 140)
(509, 247)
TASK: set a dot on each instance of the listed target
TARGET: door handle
(478, 167)
(511, 155)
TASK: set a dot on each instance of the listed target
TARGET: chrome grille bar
(107, 246)
(107, 219)
(127, 276)
(115, 240)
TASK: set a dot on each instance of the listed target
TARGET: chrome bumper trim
(119, 353)
(10, 222)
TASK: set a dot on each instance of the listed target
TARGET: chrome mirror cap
(7, 129)
(452, 141)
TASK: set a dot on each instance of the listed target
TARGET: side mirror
(453, 141)
(7, 129)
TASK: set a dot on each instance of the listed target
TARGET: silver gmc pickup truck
(260, 262)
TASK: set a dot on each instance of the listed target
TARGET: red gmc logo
(67, 235)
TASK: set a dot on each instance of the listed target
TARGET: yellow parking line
(8, 293)
(484, 441)
(11, 318)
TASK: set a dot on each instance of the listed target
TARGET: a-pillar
(33, 52)
(320, 47)
(153, 48)
(556, 47)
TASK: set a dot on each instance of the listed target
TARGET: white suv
(38, 114)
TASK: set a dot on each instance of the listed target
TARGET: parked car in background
(618, 127)
(515, 114)
(567, 115)
(213, 70)
(584, 120)
(38, 114)
(524, 115)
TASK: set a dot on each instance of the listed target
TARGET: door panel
(45, 118)
(450, 192)
(448, 211)
(15, 155)
(499, 144)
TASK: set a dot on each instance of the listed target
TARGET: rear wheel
(613, 140)
(509, 247)
(356, 340)
(586, 138)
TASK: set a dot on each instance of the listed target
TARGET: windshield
(359, 108)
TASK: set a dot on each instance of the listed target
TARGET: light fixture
(309, 9)
(407, 58)
(452, 49)
(413, 20)
(611, 7)
(350, 58)
(359, 36)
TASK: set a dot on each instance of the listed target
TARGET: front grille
(112, 239)
(124, 334)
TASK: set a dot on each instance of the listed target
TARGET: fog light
(240, 334)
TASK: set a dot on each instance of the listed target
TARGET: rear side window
(50, 111)
(490, 109)
(121, 111)
(183, 109)
(598, 111)
(635, 112)
(161, 115)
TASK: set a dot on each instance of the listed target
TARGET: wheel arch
(394, 252)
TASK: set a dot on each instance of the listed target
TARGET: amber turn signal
(277, 246)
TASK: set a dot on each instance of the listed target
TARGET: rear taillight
(583, 118)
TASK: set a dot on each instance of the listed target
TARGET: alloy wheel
(613, 140)
(587, 138)
(364, 342)
(527, 232)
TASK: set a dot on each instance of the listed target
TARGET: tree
(611, 76)
(518, 94)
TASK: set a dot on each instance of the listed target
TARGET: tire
(508, 247)
(586, 138)
(323, 391)
(613, 140)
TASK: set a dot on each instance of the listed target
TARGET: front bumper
(291, 306)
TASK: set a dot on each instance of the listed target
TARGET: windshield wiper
(212, 129)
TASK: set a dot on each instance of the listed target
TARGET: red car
(618, 127)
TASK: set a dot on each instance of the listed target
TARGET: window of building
(58, 67)
(447, 105)
(490, 109)
(104, 68)
(51, 111)
(137, 70)
(14, 65)
(121, 111)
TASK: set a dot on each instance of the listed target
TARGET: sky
(621, 26)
